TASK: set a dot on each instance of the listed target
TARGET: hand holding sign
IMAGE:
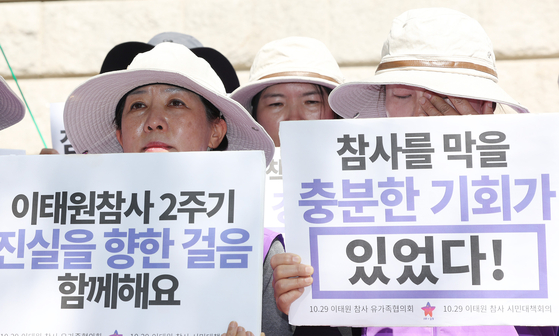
(290, 279)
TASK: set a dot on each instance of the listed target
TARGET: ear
(219, 129)
(119, 136)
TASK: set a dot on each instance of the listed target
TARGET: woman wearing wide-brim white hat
(167, 100)
(441, 52)
(89, 112)
(12, 109)
(290, 79)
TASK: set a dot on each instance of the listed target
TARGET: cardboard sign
(424, 221)
(131, 244)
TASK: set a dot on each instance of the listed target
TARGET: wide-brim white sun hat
(12, 109)
(90, 109)
(438, 49)
(293, 59)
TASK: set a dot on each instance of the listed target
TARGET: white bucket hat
(90, 109)
(12, 109)
(438, 49)
(289, 60)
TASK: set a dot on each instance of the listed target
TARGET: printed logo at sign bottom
(116, 333)
(428, 310)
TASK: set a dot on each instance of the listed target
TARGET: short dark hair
(212, 113)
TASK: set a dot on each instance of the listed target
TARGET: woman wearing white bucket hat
(435, 62)
(89, 112)
(167, 100)
(290, 79)
(12, 109)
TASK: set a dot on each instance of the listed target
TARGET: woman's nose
(295, 113)
(156, 120)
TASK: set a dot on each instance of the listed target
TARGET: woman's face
(165, 118)
(291, 101)
(410, 101)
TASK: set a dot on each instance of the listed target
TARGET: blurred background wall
(53, 46)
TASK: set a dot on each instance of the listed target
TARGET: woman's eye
(276, 104)
(402, 97)
(176, 102)
(137, 105)
(313, 102)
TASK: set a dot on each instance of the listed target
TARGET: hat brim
(90, 110)
(245, 93)
(12, 109)
(362, 99)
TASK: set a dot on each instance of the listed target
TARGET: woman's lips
(153, 147)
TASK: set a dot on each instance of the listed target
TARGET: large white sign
(12, 151)
(131, 244)
(424, 221)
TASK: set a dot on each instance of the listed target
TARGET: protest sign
(273, 199)
(131, 244)
(5, 151)
(424, 221)
(59, 139)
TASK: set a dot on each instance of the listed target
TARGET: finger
(434, 105)
(285, 285)
(241, 331)
(288, 290)
(462, 105)
(46, 151)
(426, 108)
(284, 300)
(284, 259)
(419, 112)
(283, 272)
(231, 329)
(487, 108)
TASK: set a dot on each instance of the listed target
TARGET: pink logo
(428, 309)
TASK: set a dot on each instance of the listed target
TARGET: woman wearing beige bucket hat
(167, 100)
(290, 79)
(12, 109)
(435, 62)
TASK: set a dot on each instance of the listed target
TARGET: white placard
(131, 244)
(273, 200)
(60, 141)
(424, 221)
(5, 151)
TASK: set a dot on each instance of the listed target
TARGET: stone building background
(53, 46)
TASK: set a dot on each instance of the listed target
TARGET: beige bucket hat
(90, 108)
(293, 59)
(12, 109)
(438, 49)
